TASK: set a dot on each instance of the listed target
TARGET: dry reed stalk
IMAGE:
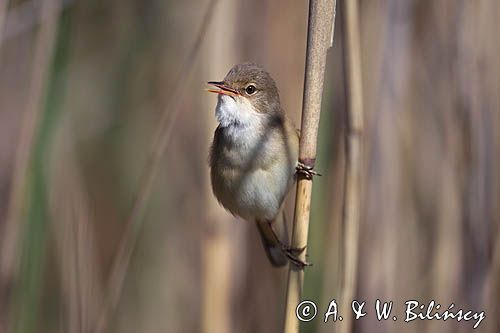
(354, 156)
(333, 230)
(3, 15)
(44, 46)
(74, 238)
(319, 40)
(24, 17)
(218, 248)
(77, 259)
(492, 287)
(164, 133)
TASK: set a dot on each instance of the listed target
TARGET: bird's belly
(252, 194)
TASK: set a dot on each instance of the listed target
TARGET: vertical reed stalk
(354, 156)
(74, 238)
(149, 172)
(217, 245)
(44, 46)
(319, 40)
(3, 15)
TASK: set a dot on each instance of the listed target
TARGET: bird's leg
(305, 170)
(292, 253)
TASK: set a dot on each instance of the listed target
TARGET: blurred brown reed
(3, 11)
(74, 233)
(14, 226)
(165, 127)
(429, 223)
(219, 244)
(353, 192)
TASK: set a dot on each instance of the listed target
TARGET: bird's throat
(236, 112)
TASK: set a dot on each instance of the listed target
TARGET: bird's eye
(250, 89)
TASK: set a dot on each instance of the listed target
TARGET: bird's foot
(292, 253)
(306, 171)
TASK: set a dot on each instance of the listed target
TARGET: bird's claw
(293, 253)
(296, 251)
(305, 170)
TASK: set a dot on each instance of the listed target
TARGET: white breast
(249, 190)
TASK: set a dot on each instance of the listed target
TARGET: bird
(254, 156)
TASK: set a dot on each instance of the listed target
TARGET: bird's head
(246, 94)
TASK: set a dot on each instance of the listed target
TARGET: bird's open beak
(223, 89)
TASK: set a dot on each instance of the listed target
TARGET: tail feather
(274, 235)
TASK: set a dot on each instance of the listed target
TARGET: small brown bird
(254, 155)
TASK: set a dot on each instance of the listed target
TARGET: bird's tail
(274, 235)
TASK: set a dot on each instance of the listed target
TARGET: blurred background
(92, 92)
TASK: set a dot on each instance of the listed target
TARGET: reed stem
(354, 156)
(319, 40)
